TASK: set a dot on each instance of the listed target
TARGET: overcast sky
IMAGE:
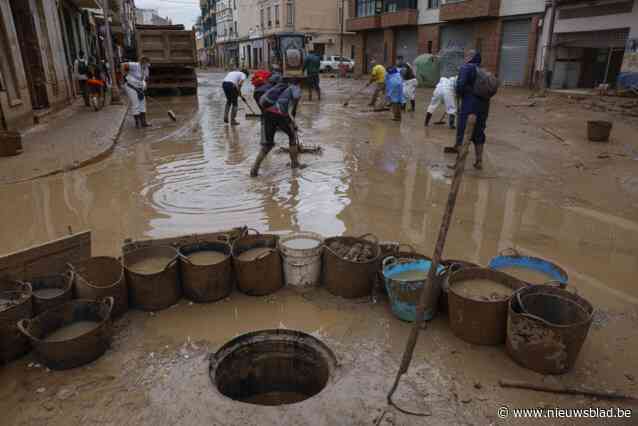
(180, 11)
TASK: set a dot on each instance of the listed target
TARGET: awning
(593, 39)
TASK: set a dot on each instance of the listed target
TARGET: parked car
(332, 63)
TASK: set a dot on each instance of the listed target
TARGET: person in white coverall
(135, 77)
(443, 93)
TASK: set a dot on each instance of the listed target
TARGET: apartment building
(208, 29)
(506, 31)
(227, 32)
(593, 42)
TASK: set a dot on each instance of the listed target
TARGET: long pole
(550, 43)
(115, 91)
(341, 23)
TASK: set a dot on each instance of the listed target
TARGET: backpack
(272, 95)
(83, 67)
(260, 77)
(485, 84)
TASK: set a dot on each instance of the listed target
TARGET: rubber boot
(478, 164)
(254, 171)
(428, 117)
(143, 121)
(319, 93)
(233, 116)
(451, 119)
(396, 112)
(413, 103)
(226, 110)
(294, 156)
(138, 123)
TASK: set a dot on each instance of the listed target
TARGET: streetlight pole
(115, 91)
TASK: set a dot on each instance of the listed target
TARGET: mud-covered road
(561, 198)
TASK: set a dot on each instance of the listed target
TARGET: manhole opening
(272, 367)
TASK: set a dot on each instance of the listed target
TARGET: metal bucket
(346, 278)
(206, 283)
(156, 291)
(73, 352)
(100, 277)
(598, 131)
(59, 287)
(451, 266)
(15, 304)
(547, 327)
(404, 295)
(512, 258)
(261, 276)
(302, 266)
(479, 321)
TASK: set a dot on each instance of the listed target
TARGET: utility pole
(115, 91)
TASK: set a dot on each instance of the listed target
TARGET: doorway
(31, 53)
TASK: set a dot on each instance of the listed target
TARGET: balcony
(455, 10)
(399, 18)
(363, 23)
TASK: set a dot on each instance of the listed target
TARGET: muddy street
(544, 190)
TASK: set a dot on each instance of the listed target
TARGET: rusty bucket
(159, 288)
(51, 291)
(15, 304)
(263, 275)
(80, 345)
(100, 277)
(547, 327)
(483, 322)
(347, 278)
(206, 282)
(451, 266)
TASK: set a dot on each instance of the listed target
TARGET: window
(352, 50)
(262, 19)
(366, 7)
(433, 4)
(277, 15)
(290, 10)
(429, 46)
(234, 4)
(236, 33)
(269, 17)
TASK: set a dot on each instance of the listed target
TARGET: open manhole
(272, 367)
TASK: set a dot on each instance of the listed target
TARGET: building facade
(150, 17)
(593, 43)
(209, 32)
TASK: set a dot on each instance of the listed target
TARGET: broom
(252, 113)
(170, 112)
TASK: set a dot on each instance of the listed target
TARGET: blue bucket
(553, 271)
(404, 295)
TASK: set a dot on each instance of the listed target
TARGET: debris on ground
(357, 252)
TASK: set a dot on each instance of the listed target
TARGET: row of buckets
(543, 326)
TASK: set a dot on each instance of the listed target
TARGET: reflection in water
(372, 177)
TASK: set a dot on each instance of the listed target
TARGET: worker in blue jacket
(471, 104)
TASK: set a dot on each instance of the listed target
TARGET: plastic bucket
(547, 327)
(206, 283)
(301, 254)
(347, 278)
(598, 130)
(153, 291)
(263, 275)
(15, 304)
(482, 322)
(51, 291)
(404, 295)
(100, 277)
(75, 351)
(514, 259)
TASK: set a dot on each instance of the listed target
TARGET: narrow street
(545, 190)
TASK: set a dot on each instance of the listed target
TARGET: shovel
(170, 112)
(252, 113)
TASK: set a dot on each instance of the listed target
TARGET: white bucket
(302, 258)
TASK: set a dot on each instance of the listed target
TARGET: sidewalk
(65, 140)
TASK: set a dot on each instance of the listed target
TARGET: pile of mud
(357, 252)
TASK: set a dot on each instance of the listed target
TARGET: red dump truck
(173, 56)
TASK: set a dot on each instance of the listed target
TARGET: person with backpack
(261, 87)
(232, 89)
(279, 105)
(475, 87)
(81, 74)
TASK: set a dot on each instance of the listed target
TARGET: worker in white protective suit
(443, 93)
(135, 77)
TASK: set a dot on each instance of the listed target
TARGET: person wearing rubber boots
(445, 92)
(259, 91)
(232, 89)
(135, 79)
(278, 105)
(471, 104)
(377, 77)
(394, 92)
(312, 66)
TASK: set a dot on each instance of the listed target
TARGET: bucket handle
(69, 274)
(252, 229)
(264, 255)
(389, 261)
(183, 258)
(23, 326)
(108, 303)
(410, 248)
(509, 252)
(171, 263)
(532, 316)
(374, 238)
